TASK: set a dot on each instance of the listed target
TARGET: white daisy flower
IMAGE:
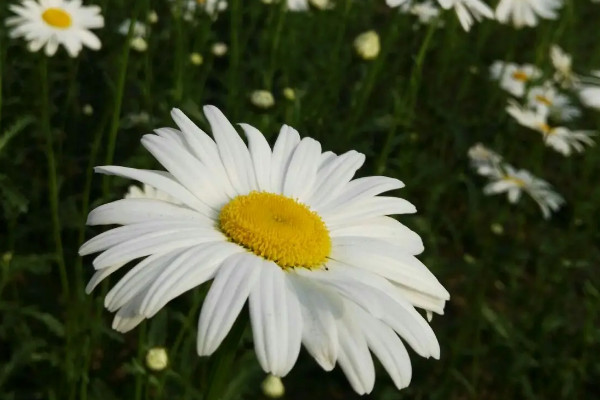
(546, 99)
(50, 23)
(526, 12)
(513, 77)
(426, 12)
(589, 91)
(566, 141)
(561, 139)
(514, 182)
(563, 64)
(287, 228)
(189, 7)
(468, 11)
(485, 161)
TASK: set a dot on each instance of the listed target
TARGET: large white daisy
(287, 228)
(50, 23)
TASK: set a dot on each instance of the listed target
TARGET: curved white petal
(301, 174)
(228, 293)
(260, 152)
(276, 320)
(283, 149)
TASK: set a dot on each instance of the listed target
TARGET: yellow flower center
(543, 100)
(277, 228)
(57, 18)
(516, 181)
(545, 128)
(520, 76)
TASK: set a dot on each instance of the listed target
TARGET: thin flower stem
(140, 378)
(221, 371)
(405, 109)
(117, 102)
(234, 60)
(52, 178)
(179, 56)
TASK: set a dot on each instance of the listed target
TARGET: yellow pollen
(520, 76)
(57, 18)
(543, 100)
(277, 228)
(545, 128)
(516, 181)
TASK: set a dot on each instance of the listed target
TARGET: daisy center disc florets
(57, 18)
(277, 228)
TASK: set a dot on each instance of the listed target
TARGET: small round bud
(367, 45)
(196, 59)
(289, 94)
(219, 49)
(262, 99)
(273, 387)
(157, 358)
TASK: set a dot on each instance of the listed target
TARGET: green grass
(523, 319)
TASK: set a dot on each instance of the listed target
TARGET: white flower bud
(367, 45)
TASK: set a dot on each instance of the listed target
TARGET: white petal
(301, 174)
(233, 151)
(260, 152)
(99, 276)
(276, 320)
(354, 357)
(155, 243)
(161, 181)
(227, 295)
(134, 210)
(204, 148)
(320, 308)
(366, 209)
(189, 270)
(187, 169)
(121, 234)
(359, 189)
(384, 228)
(283, 149)
(334, 175)
(387, 346)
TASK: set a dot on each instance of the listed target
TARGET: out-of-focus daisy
(589, 93)
(50, 23)
(514, 182)
(562, 63)
(426, 11)
(287, 228)
(546, 99)
(367, 45)
(513, 77)
(468, 11)
(559, 138)
(187, 8)
(526, 12)
(485, 161)
(138, 36)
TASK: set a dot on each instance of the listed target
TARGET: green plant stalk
(179, 56)
(369, 82)
(117, 101)
(406, 108)
(140, 378)
(234, 66)
(223, 359)
(52, 178)
(281, 13)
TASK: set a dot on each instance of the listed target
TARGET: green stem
(221, 370)
(405, 109)
(179, 56)
(140, 378)
(234, 66)
(117, 102)
(52, 177)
